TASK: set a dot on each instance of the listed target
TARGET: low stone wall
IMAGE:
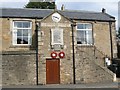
(89, 69)
(18, 68)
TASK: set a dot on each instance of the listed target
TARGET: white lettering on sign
(53, 25)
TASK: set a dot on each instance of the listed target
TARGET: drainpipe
(74, 75)
(36, 32)
(110, 25)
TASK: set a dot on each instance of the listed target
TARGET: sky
(111, 6)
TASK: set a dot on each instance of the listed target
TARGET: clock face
(56, 17)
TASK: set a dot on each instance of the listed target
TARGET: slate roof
(41, 13)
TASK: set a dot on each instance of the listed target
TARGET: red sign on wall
(53, 54)
(61, 54)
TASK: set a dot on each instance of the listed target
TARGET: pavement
(101, 86)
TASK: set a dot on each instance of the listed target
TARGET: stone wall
(6, 35)
(90, 66)
(18, 68)
(19, 63)
(98, 27)
(45, 49)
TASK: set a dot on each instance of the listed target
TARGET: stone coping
(18, 52)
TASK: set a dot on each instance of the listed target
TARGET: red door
(52, 71)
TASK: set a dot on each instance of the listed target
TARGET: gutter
(36, 32)
(74, 74)
(64, 16)
(110, 25)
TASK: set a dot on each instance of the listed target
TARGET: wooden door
(52, 71)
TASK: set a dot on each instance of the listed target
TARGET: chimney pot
(63, 7)
(103, 10)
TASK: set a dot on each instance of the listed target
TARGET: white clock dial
(56, 17)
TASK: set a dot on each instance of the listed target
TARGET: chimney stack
(103, 10)
(62, 7)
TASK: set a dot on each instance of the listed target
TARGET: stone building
(56, 46)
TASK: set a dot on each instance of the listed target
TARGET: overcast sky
(111, 6)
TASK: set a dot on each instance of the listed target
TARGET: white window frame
(14, 33)
(61, 36)
(87, 32)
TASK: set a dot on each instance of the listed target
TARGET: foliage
(41, 5)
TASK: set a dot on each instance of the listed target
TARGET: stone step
(107, 70)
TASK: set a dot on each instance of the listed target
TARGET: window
(84, 34)
(57, 36)
(22, 32)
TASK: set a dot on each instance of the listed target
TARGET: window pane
(22, 36)
(84, 26)
(84, 33)
(84, 37)
(26, 24)
(22, 40)
(80, 26)
(18, 24)
(19, 32)
(22, 24)
(29, 32)
(88, 26)
(25, 32)
(81, 37)
(25, 40)
(19, 40)
(89, 37)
